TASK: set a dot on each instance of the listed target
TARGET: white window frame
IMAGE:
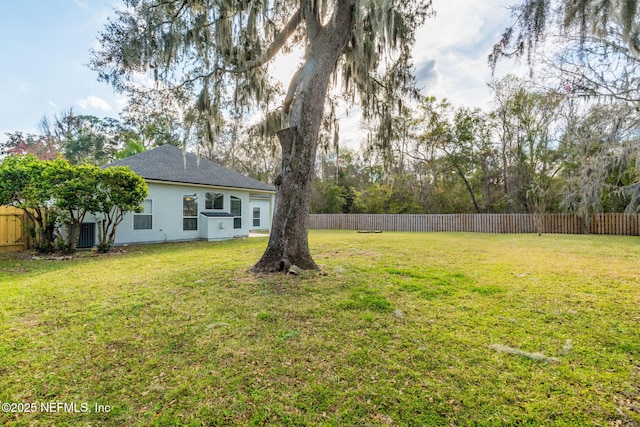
(237, 219)
(144, 213)
(190, 217)
(256, 209)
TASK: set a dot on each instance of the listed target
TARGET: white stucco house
(190, 198)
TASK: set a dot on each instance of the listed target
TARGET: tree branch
(291, 92)
(164, 3)
(311, 16)
(184, 3)
(278, 41)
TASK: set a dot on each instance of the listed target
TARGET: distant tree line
(536, 151)
(88, 139)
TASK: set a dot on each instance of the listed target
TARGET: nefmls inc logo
(67, 407)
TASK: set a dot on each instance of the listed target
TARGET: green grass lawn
(406, 329)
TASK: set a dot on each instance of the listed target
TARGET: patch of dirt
(347, 253)
(61, 256)
(18, 270)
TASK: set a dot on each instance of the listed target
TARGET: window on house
(190, 212)
(213, 201)
(236, 210)
(144, 219)
(256, 217)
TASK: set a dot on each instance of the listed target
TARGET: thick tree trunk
(288, 241)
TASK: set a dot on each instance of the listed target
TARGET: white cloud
(450, 57)
(81, 4)
(451, 52)
(351, 133)
(95, 103)
(284, 66)
(22, 85)
(121, 101)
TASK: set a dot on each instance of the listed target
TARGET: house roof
(169, 163)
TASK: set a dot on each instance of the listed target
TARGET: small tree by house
(74, 194)
(119, 191)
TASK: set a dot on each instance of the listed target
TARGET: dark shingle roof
(169, 163)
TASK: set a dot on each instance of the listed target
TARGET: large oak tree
(220, 50)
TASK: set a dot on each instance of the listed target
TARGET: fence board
(12, 235)
(610, 223)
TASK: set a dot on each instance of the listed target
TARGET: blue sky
(45, 44)
(43, 55)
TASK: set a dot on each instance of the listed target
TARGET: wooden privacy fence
(12, 233)
(612, 223)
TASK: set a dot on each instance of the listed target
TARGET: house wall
(266, 212)
(167, 216)
(217, 228)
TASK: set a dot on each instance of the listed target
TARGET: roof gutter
(221, 187)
